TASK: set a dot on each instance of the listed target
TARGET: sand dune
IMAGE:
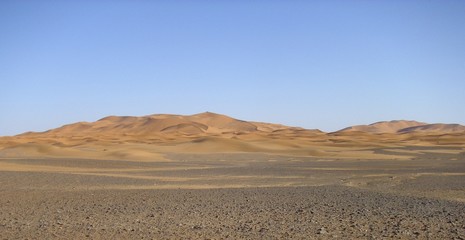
(438, 128)
(383, 127)
(146, 137)
(402, 126)
(153, 124)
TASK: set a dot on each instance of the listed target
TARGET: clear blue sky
(315, 64)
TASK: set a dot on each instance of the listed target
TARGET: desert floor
(236, 196)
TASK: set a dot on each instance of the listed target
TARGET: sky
(313, 64)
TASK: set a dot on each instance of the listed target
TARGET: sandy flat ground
(236, 196)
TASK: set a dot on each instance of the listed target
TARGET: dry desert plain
(210, 176)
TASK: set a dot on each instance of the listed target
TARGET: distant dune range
(400, 126)
(150, 137)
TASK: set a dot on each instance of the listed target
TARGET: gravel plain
(231, 197)
(321, 212)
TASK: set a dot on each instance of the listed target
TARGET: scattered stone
(322, 230)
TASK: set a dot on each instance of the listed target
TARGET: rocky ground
(233, 197)
(321, 212)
